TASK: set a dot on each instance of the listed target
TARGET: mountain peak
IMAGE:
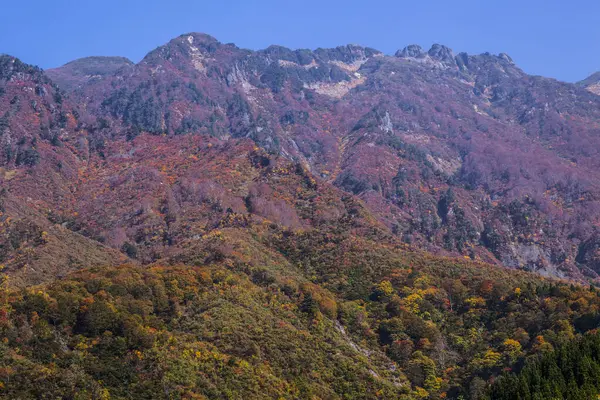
(413, 50)
(441, 53)
(197, 38)
(96, 65)
(438, 54)
(95, 59)
(189, 45)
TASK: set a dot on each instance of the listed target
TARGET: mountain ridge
(422, 123)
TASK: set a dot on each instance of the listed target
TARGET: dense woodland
(572, 371)
(389, 324)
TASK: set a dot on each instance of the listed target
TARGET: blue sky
(554, 38)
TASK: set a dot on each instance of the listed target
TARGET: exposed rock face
(456, 154)
(441, 53)
(413, 50)
(506, 57)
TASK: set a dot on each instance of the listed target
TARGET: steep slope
(482, 156)
(42, 149)
(457, 154)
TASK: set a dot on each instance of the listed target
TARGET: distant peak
(82, 70)
(437, 52)
(413, 51)
(441, 53)
(91, 60)
(443, 56)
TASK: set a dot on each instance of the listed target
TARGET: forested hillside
(220, 223)
(350, 318)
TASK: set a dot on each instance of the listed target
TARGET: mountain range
(376, 204)
(456, 154)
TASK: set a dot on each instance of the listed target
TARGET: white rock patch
(336, 90)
